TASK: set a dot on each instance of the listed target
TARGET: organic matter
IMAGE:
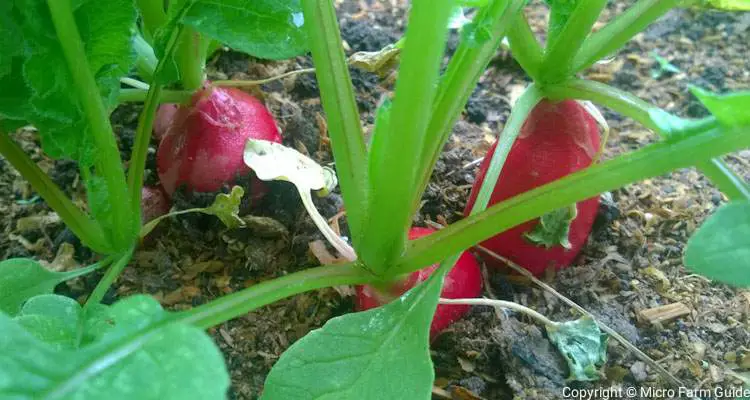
(202, 148)
(556, 140)
(154, 203)
(463, 281)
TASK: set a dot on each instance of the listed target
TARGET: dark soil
(631, 263)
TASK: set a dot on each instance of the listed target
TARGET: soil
(631, 263)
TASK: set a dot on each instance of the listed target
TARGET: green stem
(728, 182)
(166, 96)
(86, 270)
(337, 96)
(153, 14)
(524, 47)
(145, 126)
(109, 278)
(392, 169)
(557, 64)
(191, 59)
(264, 293)
(82, 226)
(651, 161)
(464, 70)
(631, 106)
(617, 32)
(108, 161)
(528, 100)
(146, 59)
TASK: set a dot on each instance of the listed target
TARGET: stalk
(165, 96)
(191, 59)
(337, 96)
(109, 278)
(391, 165)
(153, 14)
(464, 70)
(525, 48)
(108, 161)
(557, 64)
(616, 33)
(732, 185)
(264, 293)
(145, 126)
(82, 225)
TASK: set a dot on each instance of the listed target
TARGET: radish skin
(556, 140)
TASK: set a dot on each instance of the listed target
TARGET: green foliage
(377, 354)
(583, 346)
(145, 356)
(24, 278)
(730, 109)
(719, 248)
(735, 5)
(560, 11)
(52, 319)
(45, 96)
(270, 29)
(553, 228)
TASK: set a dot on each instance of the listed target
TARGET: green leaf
(663, 66)
(730, 109)
(24, 278)
(719, 248)
(382, 353)
(560, 11)
(553, 228)
(270, 29)
(11, 37)
(53, 319)
(583, 346)
(107, 29)
(226, 207)
(147, 356)
(728, 5)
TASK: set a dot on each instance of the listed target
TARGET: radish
(154, 203)
(463, 281)
(203, 146)
(556, 140)
(163, 119)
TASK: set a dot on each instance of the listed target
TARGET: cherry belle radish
(557, 139)
(202, 148)
(463, 281)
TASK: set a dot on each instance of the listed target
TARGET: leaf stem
(191, 59)
(261, 294)
(464, 70)
(391, 165)
(617, 32)
(81, 224)
(86, 270)
(251, 83)
(146, 59)
(503, 304)
(165, 96)
(524, 46)
(109, 278)
(108, 161)
(653, 160)
(145, 126)
(528, 100)
(561, 50)
(733, 186)
(337, 96)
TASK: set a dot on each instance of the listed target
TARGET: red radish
(556, 140)
(203, 146)
(154, 203)
(463, 281)
(163, 119)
